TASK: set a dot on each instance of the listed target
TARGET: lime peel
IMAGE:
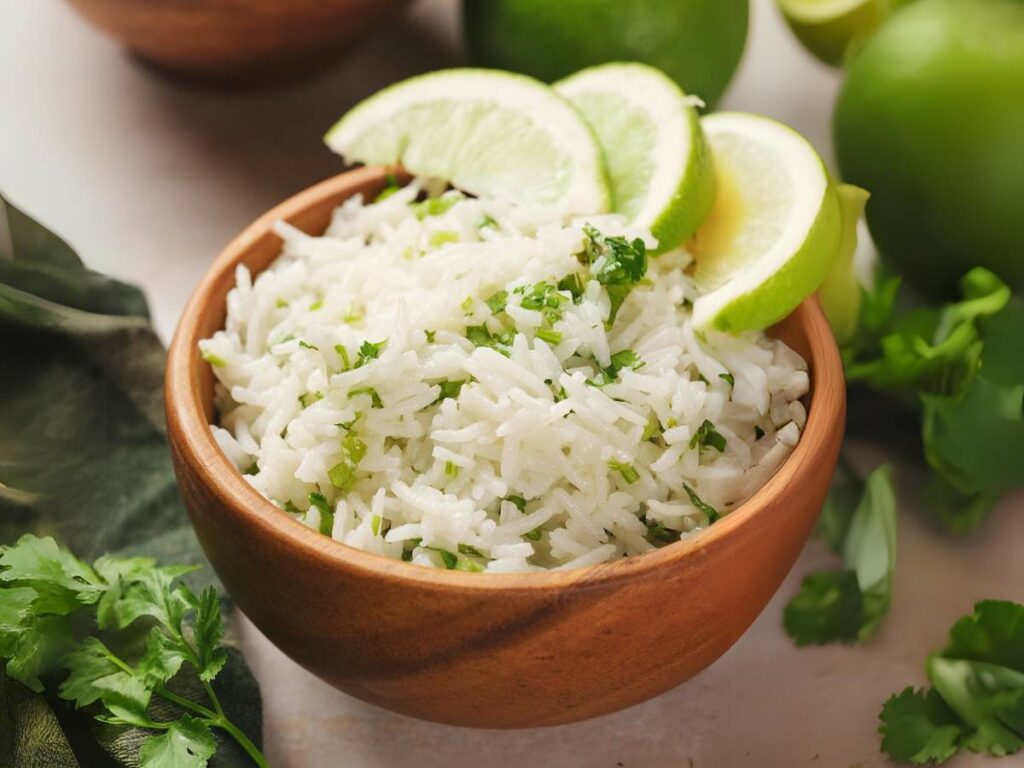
(753, 268)
(659, 164)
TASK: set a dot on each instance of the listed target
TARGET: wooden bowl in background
(487, 650)
(233, 41)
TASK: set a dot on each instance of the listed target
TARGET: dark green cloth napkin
(84, 458)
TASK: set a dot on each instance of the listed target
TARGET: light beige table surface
(149, 178)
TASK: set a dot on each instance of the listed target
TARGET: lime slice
(487, 132)
(840, 292)
(773, 232)
(658, 162)
(827, 28)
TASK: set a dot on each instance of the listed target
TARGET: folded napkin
(84, 458)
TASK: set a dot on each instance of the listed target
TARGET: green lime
(930, 120)
(698, 43)
(774, 230)
(658, 162)
(488, 133)
(829, 28)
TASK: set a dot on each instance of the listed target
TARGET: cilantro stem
(184, 703)
(243, 741)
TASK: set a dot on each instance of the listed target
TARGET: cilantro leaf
(987, 697)
(63, 582)
(977, 697)
(88, 663)
(187, 743)
(208, 630)
(617, 264)
(848, 605)
(827, 609)
(931, 351)
(712, 513)
(918, 727)
(707, 436)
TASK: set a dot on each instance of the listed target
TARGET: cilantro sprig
(847, 605)
(61, 615)
(976, 701)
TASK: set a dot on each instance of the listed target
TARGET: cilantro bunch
(960, 370)
(123, 633)
(976, 701)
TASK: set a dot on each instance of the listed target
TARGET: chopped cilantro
(346, 364)
(657, 533)
(616, 264)
(451, 469)
(487, 221)
(728, 378)
(308, 398)
(652, 429)
(281, 303)
(369, 351)
(449, 388)
(518, 501)
(758, 432)
(389, 189)
(212, 359)
(470, 566)
(252, 469)
(450, 559)
(290, 507)
(375, 525)
(430, 335)
(551, 337)
(573, 284)
(443, 238)
(374, 397)
(707, 436)
(626, 358)
(497, 302)
(480, 336)
(434, 206)
(533, 535)
(319, 501)
(712, 513)
(315, 306)
(307, 345)
(628, 471)
(466, 549)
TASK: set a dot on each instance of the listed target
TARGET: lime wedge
(487, 132)
(840, 292)
(828, 28)
(658, 162)
(773, 232)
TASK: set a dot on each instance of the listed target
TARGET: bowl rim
(193, 443)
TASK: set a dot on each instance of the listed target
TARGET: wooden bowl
(237, 40)
(487, 650)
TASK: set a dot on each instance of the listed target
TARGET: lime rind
(659, 164)
(487, 132)
(840, 292)
(767, 287)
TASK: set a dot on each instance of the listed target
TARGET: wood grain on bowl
(508, 650)
(237, 40)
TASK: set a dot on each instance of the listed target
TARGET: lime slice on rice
(486, 132)
(774, 230)
(658, 161)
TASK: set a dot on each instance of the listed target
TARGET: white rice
(430, 481)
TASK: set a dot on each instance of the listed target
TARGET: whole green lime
(930, 121)
(696, 42)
